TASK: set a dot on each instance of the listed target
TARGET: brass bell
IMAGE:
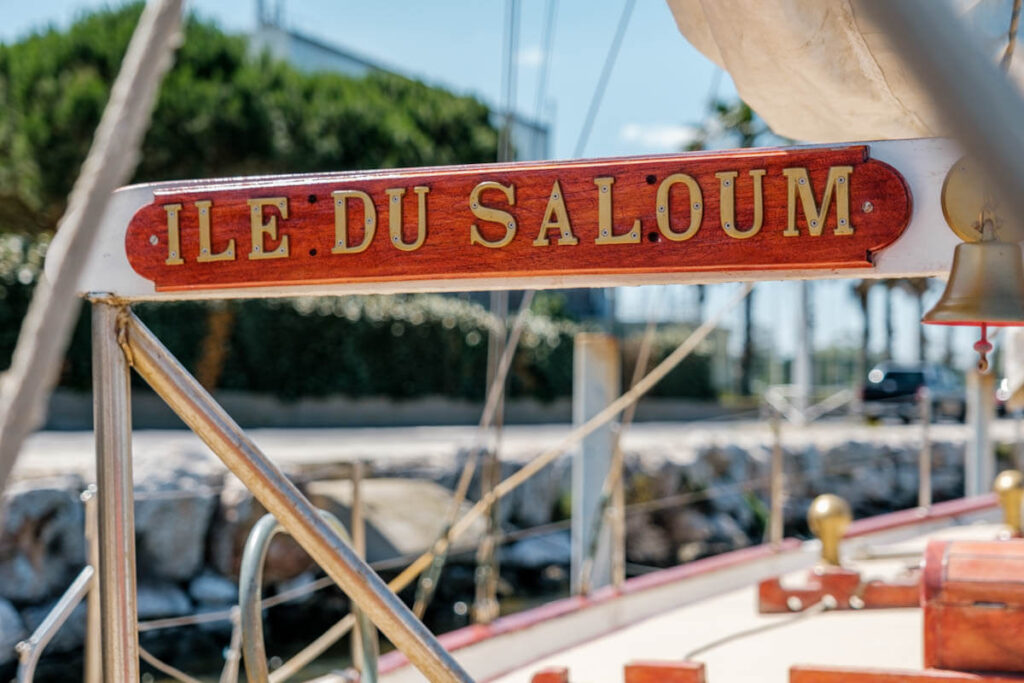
(986, 282)
(985, 287)
(1009, 486)
(828, 517)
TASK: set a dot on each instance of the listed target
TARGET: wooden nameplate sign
(765, 210)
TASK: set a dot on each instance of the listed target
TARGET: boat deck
(773, 643)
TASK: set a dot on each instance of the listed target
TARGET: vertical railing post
(112, 419)
(803, 362)
(485, 601)
(596, 383)
(924, 460)
(617, 523)
(777, 491)
(93, 641)
(979, 459)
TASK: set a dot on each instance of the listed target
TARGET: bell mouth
(974, 323)
(985, 287)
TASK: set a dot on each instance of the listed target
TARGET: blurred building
(530, 139)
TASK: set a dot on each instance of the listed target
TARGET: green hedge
(400, 347)
(395, 346)
(690, 379)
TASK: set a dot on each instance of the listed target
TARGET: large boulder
(71, 634)
(236, 513)
(717, 464)
(535, 501)
(41, 538)
(161, 600)
(686, 525)
(647, 543)
(210, 588)
(175, 497)
(537, 552)
(12, 631)
(403, 516)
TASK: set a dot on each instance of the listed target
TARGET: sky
(658, 90)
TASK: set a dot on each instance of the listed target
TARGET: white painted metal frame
(924, 250)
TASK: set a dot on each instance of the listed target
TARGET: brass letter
(261, 230)
(205, 250)
(486, 213)
(605, 230)
(797, 180)
(555, 216)
(173, 235)
(395, 217)
(696, 207)
(727, 194)
(341, 221)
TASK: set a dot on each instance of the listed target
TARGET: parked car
(894, 389)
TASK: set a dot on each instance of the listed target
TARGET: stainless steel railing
(250, 597)
(194, 405)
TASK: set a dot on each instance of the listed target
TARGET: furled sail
(820, 71)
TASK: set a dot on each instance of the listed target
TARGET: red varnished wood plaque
(813, 208)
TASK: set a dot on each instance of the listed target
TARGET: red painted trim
(706, 565)
(471, 635)
(901, 518)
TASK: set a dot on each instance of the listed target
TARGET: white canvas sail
(820, 71)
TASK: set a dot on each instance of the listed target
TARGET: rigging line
(1011, 36)
(716, 82)
(510, 50)
(428, 582)
(602, 83)
(545, 458)
(823, 605)
(165, 668)
(540, 461)
(612, 486)
(545, 66)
